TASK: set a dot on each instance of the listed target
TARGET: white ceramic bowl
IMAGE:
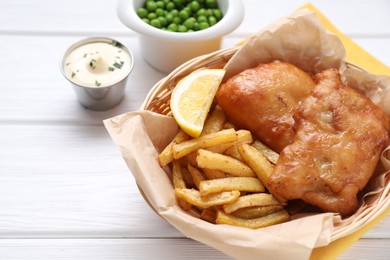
(166, 50)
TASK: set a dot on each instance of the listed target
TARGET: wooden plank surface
(123, 249)
(65, 192)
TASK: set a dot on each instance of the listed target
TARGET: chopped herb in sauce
(97, 83)
(92, 64)
(117, 44)
(73, 74)
(118, 65)
(111, 68)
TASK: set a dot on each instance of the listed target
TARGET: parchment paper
(299, 39)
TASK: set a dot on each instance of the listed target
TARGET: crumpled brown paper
(299, 39)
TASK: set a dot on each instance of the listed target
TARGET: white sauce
(97, 64)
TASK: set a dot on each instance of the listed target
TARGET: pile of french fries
(220, 176)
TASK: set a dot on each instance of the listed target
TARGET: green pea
(175, 12)
(209, 12)
(218, 14)
(160, 12)
(202, 18)
(203, 25)
(196, 26)
(172, 27)
(201, 11)
(142, 12)
(160, 4)
(188, 10)
(183, 15)
(195, 6)
(152, 16)
(169, 17)
(177, 20)
(189, 23)
(212, 20)
(151, 6)
(170, 6)
(155, 23)
(163, 21)
(211, 3)
(181, 28)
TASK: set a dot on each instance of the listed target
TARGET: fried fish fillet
(263, 100)
(340, 135)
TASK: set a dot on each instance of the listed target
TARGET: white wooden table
(65, 192)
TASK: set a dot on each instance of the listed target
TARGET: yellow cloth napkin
(355, 54)
(358, 56)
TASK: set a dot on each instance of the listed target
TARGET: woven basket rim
(212, 60)
(157, 100)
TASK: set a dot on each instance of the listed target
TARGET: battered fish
(340, 135)
(263, 100)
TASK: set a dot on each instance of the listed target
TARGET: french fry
(243, 137)
(256, 160)
(227, 164)
(256, 212)
(179, 183)
(193, 197)
(214, 122)
(249, 184)
(197, 176)
(214, 174)
(232, 151)
(219, 148)
(260, 165)
(190, 158)
(208, 215)
(187, 177)
(177, 175)
(251, 200)
(186, 147)
(166, 156)
(268, 220)
(268, 153)
(184, 204)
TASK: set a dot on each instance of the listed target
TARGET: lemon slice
(192, 97)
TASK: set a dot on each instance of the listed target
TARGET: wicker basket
(158, 99)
